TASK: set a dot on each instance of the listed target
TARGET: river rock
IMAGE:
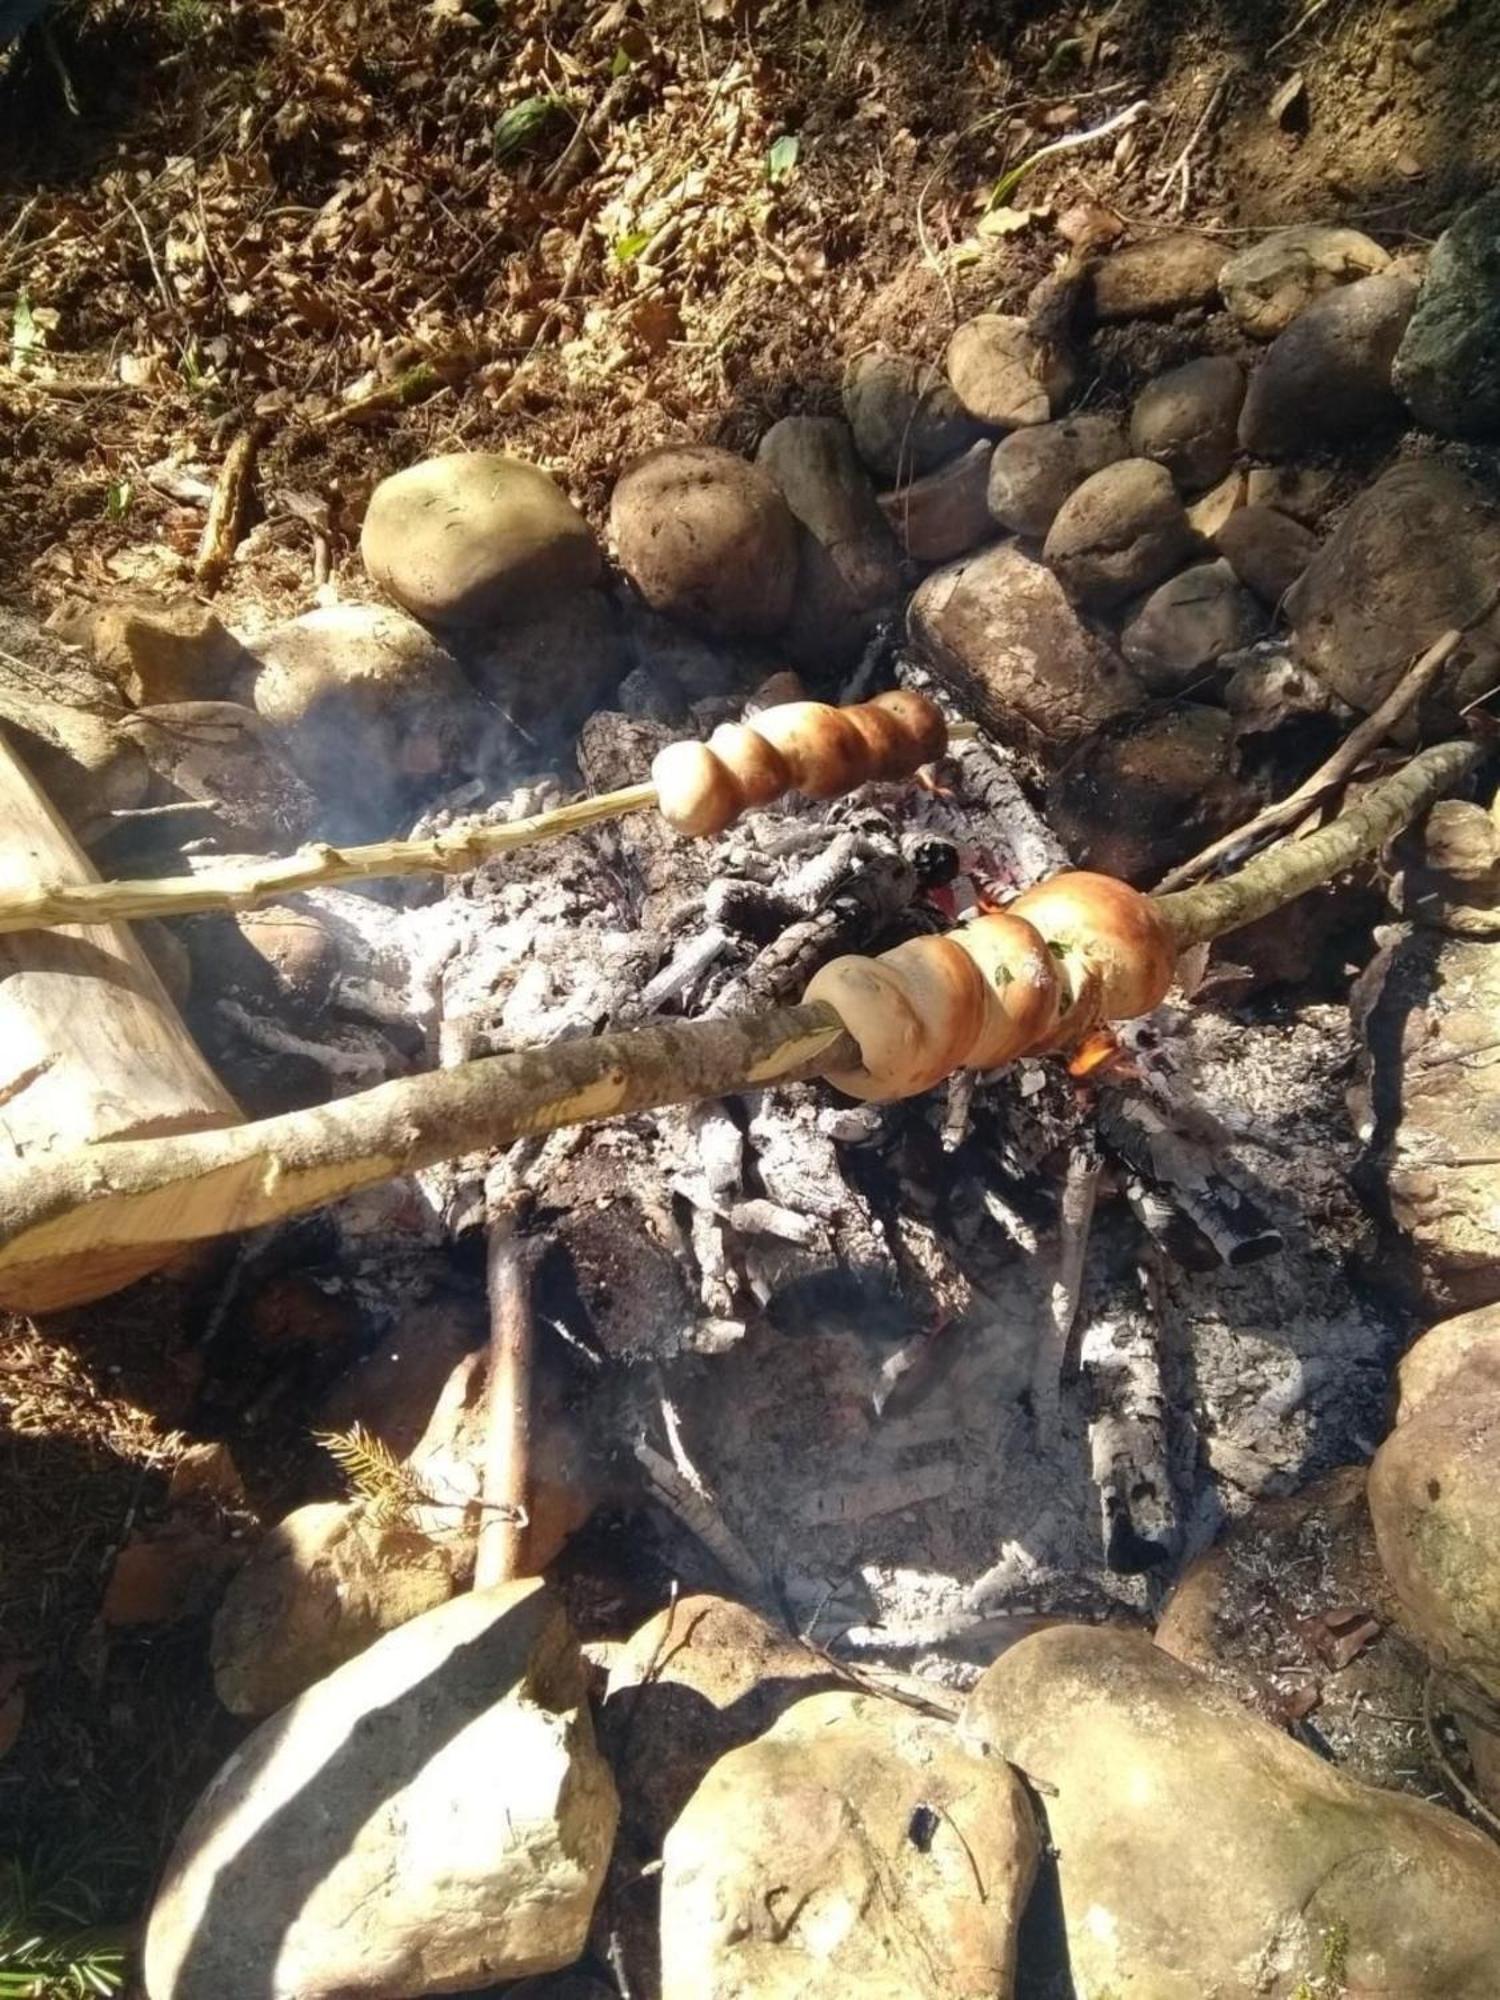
(475, 537)
(166, 649)
(223, 757)
(1208, 513)
(1450, 870)
(905, 418)
(1292, 1614)
(546, 673)
(848, 566)
(1118, 534)
(1448, 363)
(368, 706)
(1266, 286)
(1033, 471)
(1186, 420)
(999, 630)
(1189, 622)
(1149, 791)
(1267, 551)
(1302, 491)
(317, 1590)
(1435, 1501)
(857, 1847)
(944, 513)
(1201, 1851)
(1160, 277)
(1417, 552)
(1428, 1107)
(432, 1817)
(706, 538)
(1002, 375)
(1327, 378)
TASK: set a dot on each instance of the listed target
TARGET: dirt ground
(571, 231)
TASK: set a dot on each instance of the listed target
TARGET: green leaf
(524, 124)
(117, 500)
(627, 248)
(622, 64)
(782, 157)
(25, 335)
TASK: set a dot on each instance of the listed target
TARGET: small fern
(48, 1948)
(372, 1469)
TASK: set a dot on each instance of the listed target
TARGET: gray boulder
(1118, 534)
(1327, 378)
(1448, 364)
(1186, 420)
(1034, 470)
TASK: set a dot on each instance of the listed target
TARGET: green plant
(374, 1472)
(51, 1947)
(525, 124)
(1331, 1982)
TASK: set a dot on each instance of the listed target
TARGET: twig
(226, 511)
(506, 1483)
(1444, 1762)
(172, 304)
(1009, 181)
(1181, 167)
(694, 1507)
(1331, 773)
(1075, 1218)
(1297, 27)
(413, 386)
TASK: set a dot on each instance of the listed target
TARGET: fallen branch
(1040, 975)
(1075, 1220)
(226, 511)
(1330, 774)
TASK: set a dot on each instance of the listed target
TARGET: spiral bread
(1070, 953)
(800, 746)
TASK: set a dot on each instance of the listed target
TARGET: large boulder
(1201, 1851)
(1118, 534)
(166, 649)
(432, 1818)
(856, 1848)
(1186, 420)
(1416, 553)
(1428, 1107)
(1448, 364)
(1159, 277)
(474, 537)
(999, 630)
(1327, 378)
(320, 1587)
(1435, 1499)
(1034, 470)
(905, 418)
(1268, 284)
(848, 566)
(706, 538)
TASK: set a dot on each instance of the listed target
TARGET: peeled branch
(1071, 953)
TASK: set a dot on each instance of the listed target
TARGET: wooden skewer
(245, 885)
(1073, 951)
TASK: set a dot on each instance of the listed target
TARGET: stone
(545, 673)
(998, 629)
(318, 1589)
(1427, 1104)
(1450, 872)
(88, 766)
(1186, 420)
(1303, 491)
(1188, 623)
(432, 1817)
(1416, 553)
(394, 1389)
(165, 1573)
(1208, 513)
(848, 565)
(1267, 551)
(1002, 375)
(944, 513)
(1292, 1614)
(1327, 379)
(1201, 1851)
(1160, 277)
(1150, 791)
(1118, 534)
(167, 650)
(856, 1847)
(368, 706)
(1435, 1503)
(223, 757)
(706, 538)
(1448, 364)
(1033, 471)
(905, 418)
(1267, 285)
(475, 538)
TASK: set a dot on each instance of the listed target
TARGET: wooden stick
(66, 1215)
(241, 885)
(505, 1488)
(1331, 773)
(226, 510)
